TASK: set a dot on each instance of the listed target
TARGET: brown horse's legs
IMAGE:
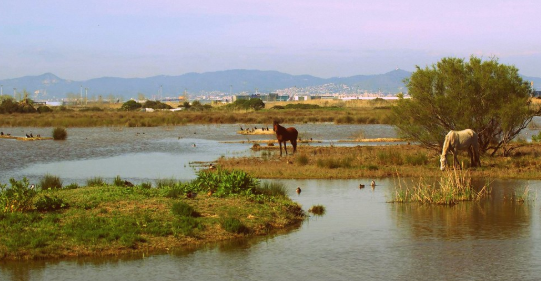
(280, 143)
(294, 144)
(285, 147)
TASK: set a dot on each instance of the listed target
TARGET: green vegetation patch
(107, 219)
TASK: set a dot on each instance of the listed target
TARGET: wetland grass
(318, 210)
(453, 186)
(50, 182)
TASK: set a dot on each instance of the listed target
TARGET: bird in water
(298, 190)
(361, 185)
(373, 183)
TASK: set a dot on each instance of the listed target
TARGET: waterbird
(361, 185)
(298, 190)
(191, 194)
(31, 135)
(373, 183)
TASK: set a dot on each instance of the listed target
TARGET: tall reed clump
(60, 133)
(454, 186)
(317, 210)
(50, 182)
(273, 189)
(96, 181)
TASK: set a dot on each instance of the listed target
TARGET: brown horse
(283, 135)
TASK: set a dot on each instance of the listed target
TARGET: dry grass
(341, 113)
(380, 161)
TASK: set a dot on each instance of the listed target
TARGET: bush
(44, 109)
(130, 105)
(225, 183)
(46, 203)
(18, 198)
(50, 182)
(60, 133)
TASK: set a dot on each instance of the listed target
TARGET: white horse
(461, 140)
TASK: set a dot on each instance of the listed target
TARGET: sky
(81, 40)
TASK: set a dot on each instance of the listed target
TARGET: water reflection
(361, 235)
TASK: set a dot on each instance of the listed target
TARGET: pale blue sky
(81, 40)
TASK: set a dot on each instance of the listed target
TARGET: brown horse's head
(275, 125)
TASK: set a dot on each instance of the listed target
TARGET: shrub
(224, 182)
(18, 198)
(50, 182)
(46, 203)
(182, 209)
(60, 133)
(44, 109)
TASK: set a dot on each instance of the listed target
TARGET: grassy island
(114, 219)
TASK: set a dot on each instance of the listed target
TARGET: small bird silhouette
(373, 183)
(298, 190)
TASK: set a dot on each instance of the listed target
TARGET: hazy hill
(235, 81)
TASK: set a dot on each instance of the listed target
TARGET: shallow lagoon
(361, 236)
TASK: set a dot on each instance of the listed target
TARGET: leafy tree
(255, 104)
(486, 96)
(130, 105)
(156, 105)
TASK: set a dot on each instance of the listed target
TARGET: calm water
(361, 236)
(145, 154)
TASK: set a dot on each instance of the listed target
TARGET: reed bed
(108, 117)
(453, 186)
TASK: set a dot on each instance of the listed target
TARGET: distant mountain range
(48, 85)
